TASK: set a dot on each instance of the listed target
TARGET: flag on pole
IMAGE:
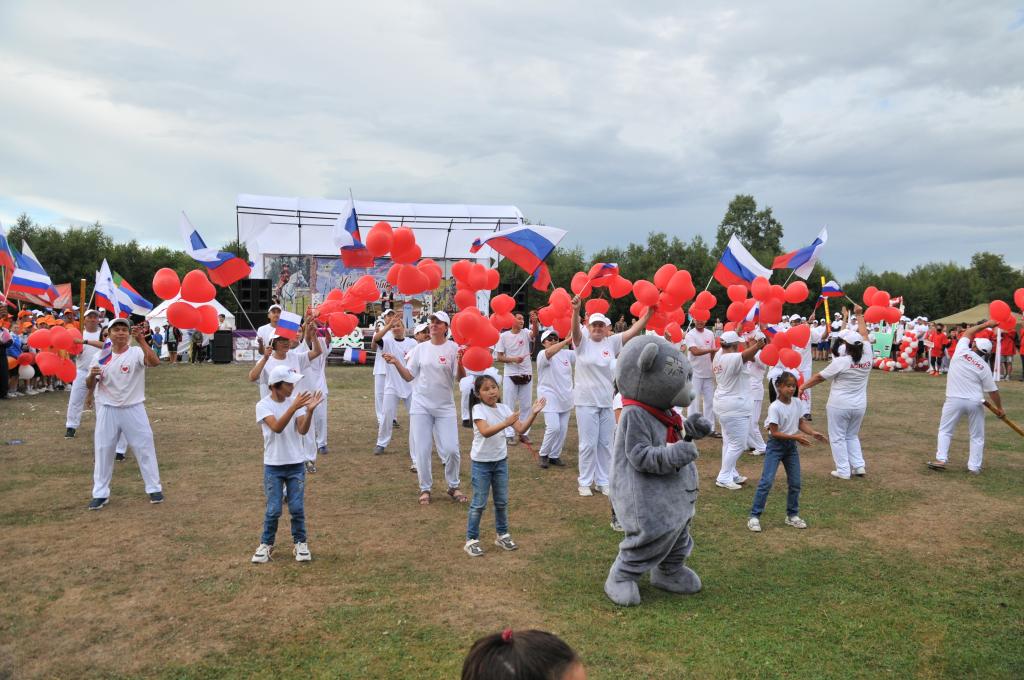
(288, 325)
(527, 246)
(106, 292)
(802, 261)
(6, 252)
(223, 268)
(29, 277)
(603, 270)
(348, 239)
(738, 266)
(832, 289)
(354, 356)
(106, 353)
(130, 298)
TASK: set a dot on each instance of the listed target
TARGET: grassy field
(907, 572)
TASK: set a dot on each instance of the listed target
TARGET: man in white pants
(513, 350)
(968, 381)
(380, 369)
(120, 381)
(90, 332)
(700, 344)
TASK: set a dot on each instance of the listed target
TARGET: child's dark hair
(785, 376)
(519, 655)
(474, 396)
(854, 350)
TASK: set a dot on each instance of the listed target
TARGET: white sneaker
(262, 554)
(301, 551)
(604, 489)
(473, 548)
(796, 522)
(754, 524)
(860, 472)
(837, 475)
(585, 491)
(739, 479)
(732, 486)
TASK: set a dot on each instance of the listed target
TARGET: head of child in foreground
(785, 386)
(282, 390)
(522, 655)
(485, 389)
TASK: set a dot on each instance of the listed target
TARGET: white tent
(158, 317)
(304, 226)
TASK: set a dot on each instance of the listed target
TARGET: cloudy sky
(898, 125)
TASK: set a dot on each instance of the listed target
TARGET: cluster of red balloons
(477, 334)
(49, 341)
(558, 312)
(583, 284)
(339, 307)
(878, 307)
(772, 296)
(191, 311)
(671, 289)
(471, 277)
(780, 349)
(1001, 312)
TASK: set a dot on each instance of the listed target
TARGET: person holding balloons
(849, 371)
(756, 370)
(596, 351)
(513, 350)
(732, 404)
(700, 348)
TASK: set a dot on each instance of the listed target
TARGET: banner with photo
(291, 279)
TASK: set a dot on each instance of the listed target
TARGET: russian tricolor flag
(288, 325)
(831, 289)
(131, 297)
(6, 252)
(106, 353)
(29, 276)
(528, 246)
(223, 268)
(738, 266)
(106, 292)
(802, 261)
(354, 356)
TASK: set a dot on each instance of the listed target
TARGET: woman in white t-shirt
(391, 339)
(490, 460)
(554, 383)
(433, 367)
(596, 351)
(849, 371)
(756, 370)
(732, 404)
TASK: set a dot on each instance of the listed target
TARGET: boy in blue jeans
(786, 428)
(285, 421)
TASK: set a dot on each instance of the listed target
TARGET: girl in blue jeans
(786, 428)
(490, 460)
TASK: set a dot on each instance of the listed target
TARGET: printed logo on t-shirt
(606, 353)
(443, 359)
(565, 362)
(125, 368)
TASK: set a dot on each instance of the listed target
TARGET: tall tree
(758, 230)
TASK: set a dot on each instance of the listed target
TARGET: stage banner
(290, 277)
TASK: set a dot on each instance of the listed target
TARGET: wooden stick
(1012, 425)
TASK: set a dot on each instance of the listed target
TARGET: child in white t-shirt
(786, 427)
(490, 460)
(285, 421)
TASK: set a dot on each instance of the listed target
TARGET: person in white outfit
(379, 370)
(90, 334)
(433, 367)
(806, 367)
(700, 348)
(596, 351)
(849, 371)
(968, 382)
(391, 339)
(756, 370)
(554, 384)
(118, 375)
(317, 382)
(513, 350)
(732, 403)
(266, 331)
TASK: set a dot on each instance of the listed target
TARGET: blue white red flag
(288, 325)
(606, 270)
(738, 266)
(831, 289)
(354, 356)
(802, 261)
(131, 298)
(6, 252)
(223, 268)
(527, 246)
(29, 276)
(346, 228)
(105, 354)
(106, 292)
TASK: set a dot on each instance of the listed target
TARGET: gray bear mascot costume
(654, 478)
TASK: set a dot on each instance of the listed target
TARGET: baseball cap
(273, 307)
(118, 320)
(794, 317)
(421, 328)
(729, 338)
(91, 311)
(547, 334)
(442, 317)
(283, 374)
(387, 311)
(598, 317)
(983, 344)
(850, 336)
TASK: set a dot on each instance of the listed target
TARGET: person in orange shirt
(937, 337)
(1006, 351)
(1021, 350)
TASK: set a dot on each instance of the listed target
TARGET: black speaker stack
(222, 347)
(254, 296)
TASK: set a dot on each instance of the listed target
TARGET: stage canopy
(304, 226)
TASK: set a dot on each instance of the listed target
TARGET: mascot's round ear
(648, 355)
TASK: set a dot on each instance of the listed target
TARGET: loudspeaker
(254, 295)
(222, 347)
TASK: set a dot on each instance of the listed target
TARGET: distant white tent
(158, 317)
(304, 226)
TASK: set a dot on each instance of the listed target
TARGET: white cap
(598, 317)
(442, 317)
(983, 344)
(283, 374)
(755, 334)
(91, 311)
(387, 311)
(273, 307)
(74, 308)
(547, 334)
(277, 336)
(118, 320)
(794, 317)
(421, 328)
(729, 338)
(924, 318)
(850, 336)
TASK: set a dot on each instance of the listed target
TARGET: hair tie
(506, 635)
